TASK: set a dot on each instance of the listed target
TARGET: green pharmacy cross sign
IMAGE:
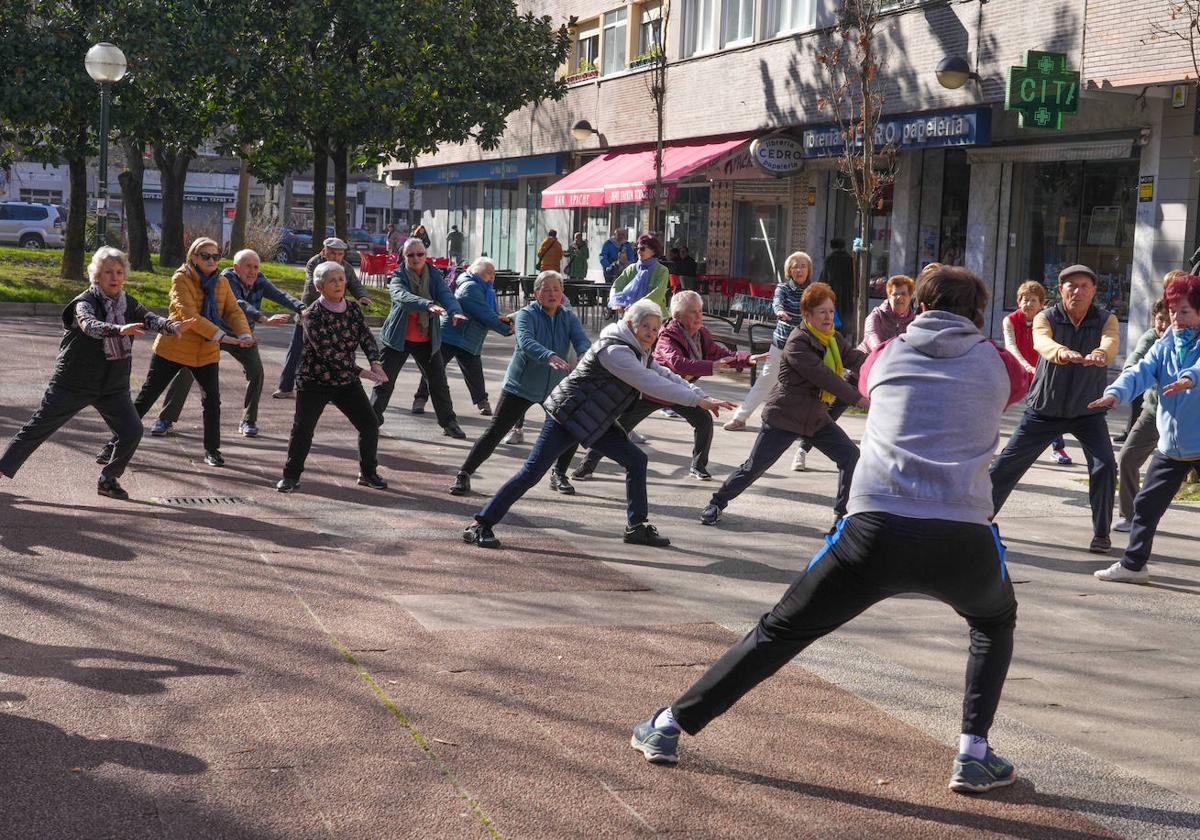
(1042, 91)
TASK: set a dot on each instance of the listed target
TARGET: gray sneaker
(979, 775)
(658, 745)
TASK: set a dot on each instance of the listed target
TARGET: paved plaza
(214, 659)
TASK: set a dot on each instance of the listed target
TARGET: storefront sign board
(969, 127)
(1042, 90)
(778, 154)
(489, 170)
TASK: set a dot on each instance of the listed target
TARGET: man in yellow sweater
(1076, 341)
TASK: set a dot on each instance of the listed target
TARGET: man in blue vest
(1076, 341)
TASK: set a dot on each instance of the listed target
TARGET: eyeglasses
(414, 254)
(206, 256)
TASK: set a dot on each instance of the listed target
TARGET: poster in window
(1104, 225)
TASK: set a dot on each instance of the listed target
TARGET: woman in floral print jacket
(334, 329)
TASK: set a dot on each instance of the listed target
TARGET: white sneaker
(800, 462)
(515, 436)
(635, 437)
(1123, 525)
(1116, 573)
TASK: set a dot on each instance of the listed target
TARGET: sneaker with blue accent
(658, 745)
(160, 427)
(979, 775)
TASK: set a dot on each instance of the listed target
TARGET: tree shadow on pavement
(139, 674)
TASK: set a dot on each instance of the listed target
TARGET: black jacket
(591, 398)
(1066, 390)
(81, 364)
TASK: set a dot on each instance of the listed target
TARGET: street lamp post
(105, 63)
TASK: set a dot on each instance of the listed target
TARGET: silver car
(32, 225)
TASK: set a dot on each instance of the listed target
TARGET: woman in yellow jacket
(197, 291)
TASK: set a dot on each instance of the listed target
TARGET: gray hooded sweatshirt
(937, 393)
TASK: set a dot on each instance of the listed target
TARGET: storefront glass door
(759, 246)
(499, 214)
(535, 223)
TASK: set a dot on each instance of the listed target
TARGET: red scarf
(1023, 330)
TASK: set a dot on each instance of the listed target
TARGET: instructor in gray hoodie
(917, 522)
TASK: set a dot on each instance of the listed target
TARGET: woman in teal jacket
(646, 278)
(463, 340)
(546, 332)
(1173, 364)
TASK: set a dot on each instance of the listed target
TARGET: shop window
(41, 196)
(612, 52)
(956, 189)
(1073, 212)
(687, 221)
(499, 218)
(699, 28)
(650, 30)
(846, 228)
(760, 231)
(790, 15)
(738, 18)
(460, 206)
(535, 223)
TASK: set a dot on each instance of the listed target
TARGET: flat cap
(1077, 269)
(338, 244)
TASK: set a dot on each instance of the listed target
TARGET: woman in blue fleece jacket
(1173, 364)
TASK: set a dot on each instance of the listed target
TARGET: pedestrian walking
(94, 361)
(686, 347)
(454, 244)
(838, 272)
(1076, 340)
(249, 288)
(334, 329)
(615, 254)
(550, 253)
(546, 332)
(583, 409)
(463, 340)
(199, 294)
(1143, 437)
(577, 258)
(1173, 364)
(811, 368)
(414, 328)
(1018, 341)
(647, 278)
(333, 249)
(798, 273)
(939, 388)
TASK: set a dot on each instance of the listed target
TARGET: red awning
(618, 177)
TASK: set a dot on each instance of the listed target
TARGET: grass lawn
(31, 276)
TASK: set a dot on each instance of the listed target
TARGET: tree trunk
(237, 236)
(339, 191)
(862, 282)
(131, 180)
(173, 167)
(73, 247)
(320, 190)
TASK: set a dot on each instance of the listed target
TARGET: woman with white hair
(198, 292)
(463, 340)
(334, 329)
(687, 348)
(584, 408)
(95, 359)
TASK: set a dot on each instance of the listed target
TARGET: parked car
(32, 225)
(294, 246)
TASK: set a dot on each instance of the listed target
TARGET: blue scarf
(489, 291)
(1185, 340)
(208, 285)
(639, 285)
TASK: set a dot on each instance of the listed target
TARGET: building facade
(1092, 161)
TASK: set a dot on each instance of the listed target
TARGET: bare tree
(854, 98)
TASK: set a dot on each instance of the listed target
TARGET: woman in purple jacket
(688, 349)
(892, 317)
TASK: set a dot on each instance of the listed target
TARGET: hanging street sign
(1042, 91)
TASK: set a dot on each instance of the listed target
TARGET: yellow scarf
(833, 357)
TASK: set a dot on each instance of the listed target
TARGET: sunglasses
(414, 254)
(204, 255)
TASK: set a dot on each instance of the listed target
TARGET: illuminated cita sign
(1042, 91)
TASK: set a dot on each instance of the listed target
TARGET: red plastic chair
(440, 262)
(762, 290)
(392, 262)
(676, 283)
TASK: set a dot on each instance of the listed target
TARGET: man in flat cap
(1076, 341)
(333, 249)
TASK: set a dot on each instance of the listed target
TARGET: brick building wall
(1126, 45)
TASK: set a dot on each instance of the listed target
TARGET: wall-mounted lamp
(953, 72)
(583, 130)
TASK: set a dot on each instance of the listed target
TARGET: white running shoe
(516, 436)
(800, 462)
(1123, 525)
(1116, 573)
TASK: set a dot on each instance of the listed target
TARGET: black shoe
(700, 474)
(485, 408)
(105, 454)
(286, 485)
(214, 459)
(645, 534)
(373, 480)
(454, 431)
(418, 407)
(1121, 438)
(461, 485)
(560, 483)
(584, 471)
(1100, 545)
(109, 487)
(711, 515)
(481, 535)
